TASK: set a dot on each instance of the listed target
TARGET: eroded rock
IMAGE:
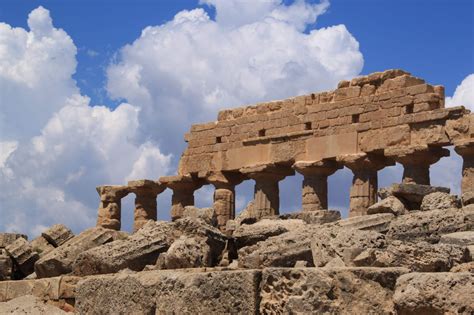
(22, 255)
(58, 234)
(29, 304)
(439, 200)
(390, 204)
(314, 217)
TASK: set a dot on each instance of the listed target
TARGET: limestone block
(145, 246)
(5, 266)
(8, 238)
(382, 138)
(41, 246)
(23, 255)
(314, 217)
(388, 205)
(375, 222)
(343, 243)
(439, 200)
(435, 293)
(206, 214)
(59, 261)
(465, 238)
(57, 235)
(45, 289)
(410, 194)
(187, 252)
(67, 287)
(163, 291)
(29, 304)
(419, 256)
(466, 267)
(3, 291)
(250, 234)
(332, 291)
(431, 225)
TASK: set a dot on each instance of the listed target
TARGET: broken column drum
(146, 192)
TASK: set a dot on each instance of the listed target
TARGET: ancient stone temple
(366, 124)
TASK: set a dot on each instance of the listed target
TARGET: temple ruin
(366, 124)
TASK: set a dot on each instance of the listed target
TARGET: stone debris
(22, 255)
(41, 246)
(8, 238)
(439, 200)
(314, 217)
(411, 194)
(29, 304)
(376, 222)
(57, 235)
(391, 204)
(6, 265)
(206, 214)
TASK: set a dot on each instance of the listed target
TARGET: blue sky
(57, 143)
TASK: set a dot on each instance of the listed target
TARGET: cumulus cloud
(184, 70)
(464, 94)
(54, 146)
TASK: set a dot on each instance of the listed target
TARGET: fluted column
(365, 181)
(266, 192)
(183, 187)
(315, 182)
(224, 195)
(466, 150)
(146, 192)
(416, 162)
(109, 212)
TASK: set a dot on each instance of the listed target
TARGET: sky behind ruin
(98, 93)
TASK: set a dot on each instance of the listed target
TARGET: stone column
(145, 192)
(315, 182)
(466, 150)
(416, 162)
(365, 182)
(224, 195)
(183, 187)
(109, 213)
(266, 192)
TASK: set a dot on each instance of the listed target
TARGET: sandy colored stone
(390, 204)
(29, 304)
(314, 217)
(57, 235)
(186, 252)
(375, 222)
(6, 266)
(419, 256)
(411, 194)
(464, 238)
(332, 291)
(466, 267)
(60, 260)
(435, 293)
(41, 246)
(431, 225)
(23, 255)
(181, 292)
(206, 214)
(8, 238)
(439, 200)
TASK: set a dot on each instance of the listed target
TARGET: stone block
(23, 255)
(8, 238)
(435, 293)
(314, 216)
(6, 266)
(326, 290)
(181, 292)
(388, 205)
(41, 246)
(45, 289)
(29, 304)
(375, 222)
(465, 238)
(57, 235)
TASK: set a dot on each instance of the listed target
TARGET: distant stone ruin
(366, 124)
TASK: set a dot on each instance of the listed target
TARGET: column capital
(181, 182)
(364, 161)
(416, 155)
(465, 148)
(317, 168)
(223, 179)
(146, 186)
(267, 172)
(112, 192)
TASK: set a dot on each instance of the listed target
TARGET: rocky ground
(413, 254)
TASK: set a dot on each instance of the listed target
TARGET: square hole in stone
(355, 118)
(409, 109)
(218, 139)
(308, 125)
(261, 133)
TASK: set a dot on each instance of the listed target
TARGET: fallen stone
(161, 292)
(466, 267)
(207, 214)
(145, 246)
(6, 266)
(22, 255)
(390, 204)
(60, 260)
(29, 304)
(186, 252)
(420, 256)
(57, 235)
(41, 246)
(431, 225)
(435, 293)
(250, 234)
(439, 200)
(464, 238)
(314, 217)
(346, 244)
(328, 291)
(467, 198)
(374, 222)
(8, 238)
(410, 194)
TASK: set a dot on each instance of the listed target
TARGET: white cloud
(54, 146)
(183, 71)
(464, 94)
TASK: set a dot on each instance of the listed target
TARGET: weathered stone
(8, 238)
(329, 243)
(250, 234)
(186, 252)
(420, 256)
(390, 204)
(206, 214)
(410, 194)
(465, 148)
(59, 261)
(180, 292)
(110, 206)
(5, 266)
(332, 291)
(29, 304)
(465, 238)
(41, 246)
(145, 246)
(434, 293)
(439, 200)
(183, 193)
(314, 217)
(374, 222)
(466, 267)
(431, 225)
(23, 255)
(145, 191)
(57, 235)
